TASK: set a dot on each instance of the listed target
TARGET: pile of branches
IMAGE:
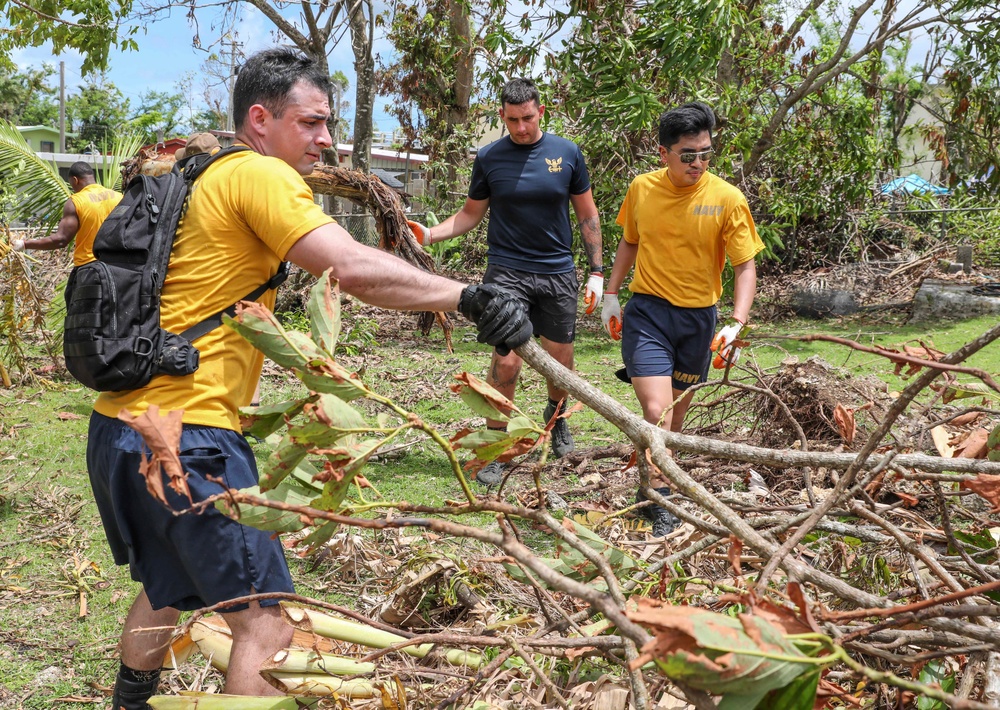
(881, 576)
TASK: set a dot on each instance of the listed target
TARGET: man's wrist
(597, 270)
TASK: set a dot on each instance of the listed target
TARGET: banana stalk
(352, 632)
(319, 685)
(213, 643)
(294, 660)
(209, 701)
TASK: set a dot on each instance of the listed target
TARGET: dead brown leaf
(967, 418)
(986, 486)
(67, 416)
(844, 417)
(942, 442)
(735, 553)
(974, 446)
(162, 435)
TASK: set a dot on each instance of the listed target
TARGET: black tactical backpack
(112, 339)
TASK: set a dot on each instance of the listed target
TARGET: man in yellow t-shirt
(83, 215)
(247, 212)
(680, 223)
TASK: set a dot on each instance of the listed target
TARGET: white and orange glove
(611, 314)
(421, 232)
(725, 346)
(595, 287)
(17, 245)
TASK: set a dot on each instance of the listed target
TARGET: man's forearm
(744, 288)
(49, 243)
(590, 234)
(624, 260)
(372, 275)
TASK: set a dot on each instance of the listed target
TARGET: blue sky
(166, 53)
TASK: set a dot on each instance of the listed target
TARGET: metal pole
(62, 107)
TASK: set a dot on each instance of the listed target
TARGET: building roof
(394, 155)
(390, 179)
(50, 129)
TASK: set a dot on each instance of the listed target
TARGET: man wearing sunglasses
(680, 223)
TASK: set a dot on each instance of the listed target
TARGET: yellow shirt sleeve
(742, 241)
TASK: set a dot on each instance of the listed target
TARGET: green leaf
(290, 349)
(935, 673)
(282, 461)
(320, 535)
(742, 656)
(327, 420)
(343, 464)
(482, 398)
(983, 540)
(993, 444)
(264, 421)
(324, 312)
(800, 694)
(965, 391)
(263, 518)
(329, 377)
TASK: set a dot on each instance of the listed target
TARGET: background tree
(802, 93)
(339, 106)
(434, 72)
(159, 116)
(95, 112)
(95, 27)
(26, 99)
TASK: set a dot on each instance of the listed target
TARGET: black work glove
(500, 318)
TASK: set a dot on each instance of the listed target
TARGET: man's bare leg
(504, 371)
(656, 395)
(258, 633)
(563, 354)
(143, 643)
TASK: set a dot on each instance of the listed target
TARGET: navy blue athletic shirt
(528, 187)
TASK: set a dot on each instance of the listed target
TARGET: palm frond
(123, 147)
(41, 192)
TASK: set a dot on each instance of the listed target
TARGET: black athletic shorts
(551, 299)
(188, 561)
(660, 339)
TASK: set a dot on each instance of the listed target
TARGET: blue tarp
(912, 184)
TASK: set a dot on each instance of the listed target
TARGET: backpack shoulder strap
(215, 320)
(193, 166)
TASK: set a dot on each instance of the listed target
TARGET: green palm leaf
(41, 191)
(122, 147)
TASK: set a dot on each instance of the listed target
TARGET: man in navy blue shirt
(527, 180)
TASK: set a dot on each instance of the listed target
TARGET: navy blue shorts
(660, 339)
(550, 299)
(189, 561)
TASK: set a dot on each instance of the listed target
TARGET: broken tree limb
(645, 435)
(386, 206)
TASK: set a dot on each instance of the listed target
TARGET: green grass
(49, 524)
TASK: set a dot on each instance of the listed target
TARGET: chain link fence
(362, 227)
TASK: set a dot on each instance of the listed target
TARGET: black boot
(562, 439)
(662, 519)
(133, 688)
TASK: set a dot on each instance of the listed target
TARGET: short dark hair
(690, 119)
(80, 169)
(267, 77)
(520, 91)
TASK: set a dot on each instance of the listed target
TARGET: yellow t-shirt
(93, 204)
(684, 235)
(243, 215)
